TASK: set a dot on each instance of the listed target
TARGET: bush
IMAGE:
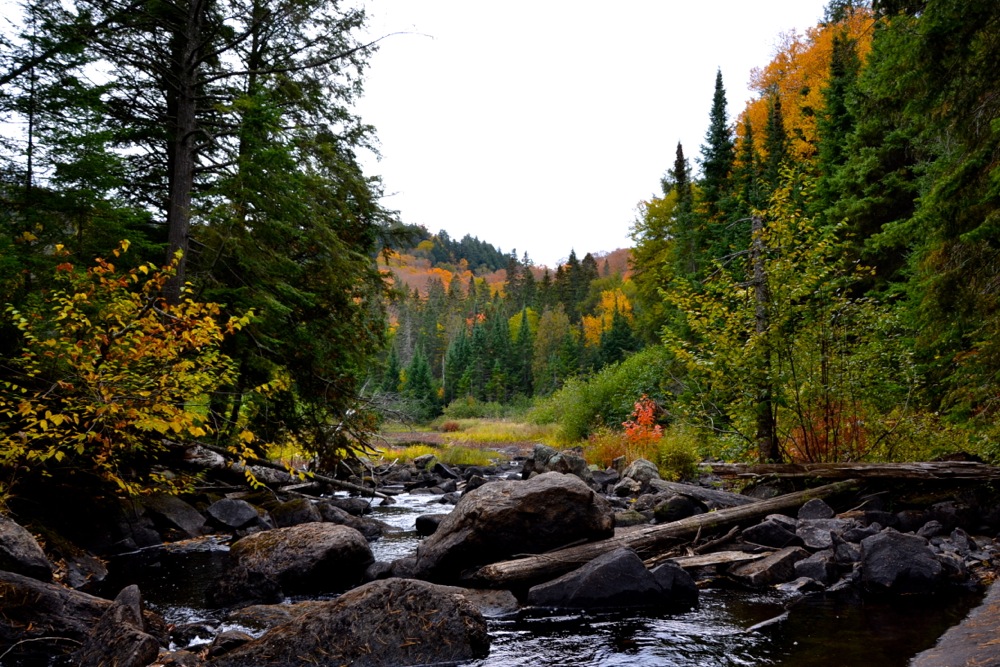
(677, 455)
(469, 408)
(450, 427)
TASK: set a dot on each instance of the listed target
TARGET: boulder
(675, 508)
(547, 459)
(176, 518)
(677, 585)
(228, 640)
(819, 533)
(355, 506)
(120, 637)
(893, 562)
(504, 518)
(771, 533)
(821, 566)
(233, 513)
(20, 553)
(427, 524)
(294, 512)
(816, 509)
(370, 528)
(32, 609)
(308, 558)
(776, 568)
(641, 471)
(616, 579)
(630, 518)
(428, 625)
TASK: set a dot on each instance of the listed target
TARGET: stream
(813, 631)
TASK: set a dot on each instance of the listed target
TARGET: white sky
(539, 125)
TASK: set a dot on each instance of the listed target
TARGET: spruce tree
(717, 157)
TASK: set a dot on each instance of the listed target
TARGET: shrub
(677, 455)
(450, 427)
(469, 408)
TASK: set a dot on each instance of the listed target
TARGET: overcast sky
(540, 125)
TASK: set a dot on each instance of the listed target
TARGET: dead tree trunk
(931, 470)
(767, 437)
(544, 567)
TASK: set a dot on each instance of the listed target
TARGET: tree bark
(767, 438)
(544, 567)
(926, 470)
(712, 497)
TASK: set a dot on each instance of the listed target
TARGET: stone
(894, 562)
(616, 579)
(819, 533)
(776, 568)
(679, 588)
(630, 518)
(429, 624)
(372, 529)
(426, 524)
(627, 487)
(641, 471)
(821, 566)
(676, 508)
(294, 512)
(233, 513)
(441, 470)
(504, 518)
(120, 636)
(932, 528)
(770, 533)
(800, 586)
(307, 558)
(228, 640)
(355, 506)
(816, 509)
(176, 517)
(20, 552)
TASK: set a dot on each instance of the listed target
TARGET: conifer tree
(717, 157)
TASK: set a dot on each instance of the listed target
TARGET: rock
(226, 641)
(910, 521)
(429, 625)
(120, 637)
(677, 585)
(627, 487)
(309, 558)
(800, 586)
(355, 506)
(605, 479)
(504, 518)
(547, 459)
(179, 658)
(32, 609)
(424, 461)
(427, 524)
(932, 528)
(820, 566)
(630, 518)
(443, 471)
(641, 471)
(370, 528)
(613, 580)
(233, 513)
(819, 533)
(675, 508)
(294, 512)
(771, 533)
(775, 568)
(20, 553)
(473, 482)
(816, 509)
(201, 457)
(176, 518)
(894, 562)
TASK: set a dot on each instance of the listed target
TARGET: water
(815, 631)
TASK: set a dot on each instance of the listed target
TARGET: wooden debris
(930, 470)
(645, 540)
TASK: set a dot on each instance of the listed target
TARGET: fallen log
(547, 566)
(928, 470)
(711, 497)
(717, 558)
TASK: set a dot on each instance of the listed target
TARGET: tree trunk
(544, 567)
(767, 438)
(941, 470)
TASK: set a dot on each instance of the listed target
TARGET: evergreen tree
(717, 157)
(775, 143)
(419, 387)
(618, 341)
(390, 379)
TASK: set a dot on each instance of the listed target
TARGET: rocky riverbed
(618, 534)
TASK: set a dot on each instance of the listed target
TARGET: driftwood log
(645, 541)
(932, 470)
(712, 497)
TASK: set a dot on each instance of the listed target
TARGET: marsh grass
(455, 455)
(486, 432)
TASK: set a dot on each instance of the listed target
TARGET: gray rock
(233, 513)
(308, 558)
(898, 563)
(504, 518)
(370, 528)
(679, 589)
(427, 524)
(630, 518)
(120, 637)
(816, 509)
(642, 471)
(770, 533)
(820, 566)
(932, 528)
(294, 512)
(612, 580)
(428, 625)
(627, 487)
(676, 508)
(800, 586)
(20, 553)
(355, 506)
(819, 533)
(175, 515)
(226, 641)
(776, 568)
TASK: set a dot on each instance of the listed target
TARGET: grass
(500, 432)
(449, 455)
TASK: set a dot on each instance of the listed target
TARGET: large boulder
(616, 579)
(775, 568)
(20, 553)
(893, 562)
(508, 517)
(32, 609)
(233, 513)
(294, 512)
(175, 518)
(120, 637)
(428, 624)
(308, 558)
(547, 459)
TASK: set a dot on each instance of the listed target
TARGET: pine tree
(717, 157)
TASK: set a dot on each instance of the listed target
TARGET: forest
(190, 251)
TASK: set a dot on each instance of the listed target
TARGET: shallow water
(815, 632)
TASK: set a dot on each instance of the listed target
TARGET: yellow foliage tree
(110, 374)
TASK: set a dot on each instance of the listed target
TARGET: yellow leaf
(246, 436)
(196, 431)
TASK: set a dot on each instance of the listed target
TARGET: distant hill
(418, 256)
